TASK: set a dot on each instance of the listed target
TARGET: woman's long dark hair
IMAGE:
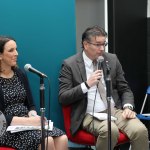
(3, 41)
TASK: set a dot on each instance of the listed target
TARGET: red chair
(82, 137)
(6, 148)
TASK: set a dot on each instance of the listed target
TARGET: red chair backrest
(83, 137)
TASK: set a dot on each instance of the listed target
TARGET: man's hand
(128, 114)
(94, 78)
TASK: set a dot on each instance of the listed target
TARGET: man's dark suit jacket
(73, 73)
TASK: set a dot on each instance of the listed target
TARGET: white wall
(148, 9)
(88, 13)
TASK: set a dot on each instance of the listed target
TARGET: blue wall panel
(45, 34)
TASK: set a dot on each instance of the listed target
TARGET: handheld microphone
(28, 67)
(100, 60)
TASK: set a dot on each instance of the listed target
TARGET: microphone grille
(27, 67)
(100, 59)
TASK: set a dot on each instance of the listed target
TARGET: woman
(16, 103)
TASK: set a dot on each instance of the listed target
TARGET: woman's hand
(32, 113)
(34, 120)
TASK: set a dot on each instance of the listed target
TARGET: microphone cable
(93, 111)
(100, 60)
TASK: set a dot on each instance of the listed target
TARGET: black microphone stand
(108, 91)
(42, 109)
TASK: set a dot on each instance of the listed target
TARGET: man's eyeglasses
(98, 44)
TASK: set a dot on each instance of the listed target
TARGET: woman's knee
(50, 143)
(50, 140)
(61, 142)
(62, 138)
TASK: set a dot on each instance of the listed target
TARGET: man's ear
(0, 56)
(85, 44)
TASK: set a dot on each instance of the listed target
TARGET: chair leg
(117, 147)
(130, 147)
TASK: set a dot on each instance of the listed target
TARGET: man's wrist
(86, 85)
(128, 107)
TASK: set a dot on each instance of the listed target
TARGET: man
(79, 87)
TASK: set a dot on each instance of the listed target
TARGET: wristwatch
(129, 107)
